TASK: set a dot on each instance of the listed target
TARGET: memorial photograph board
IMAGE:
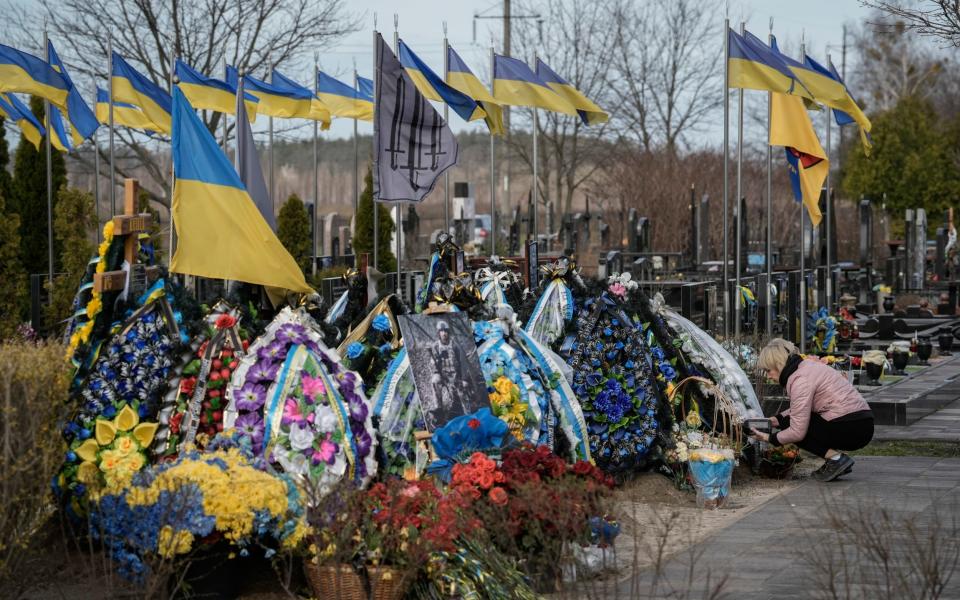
(445, 365)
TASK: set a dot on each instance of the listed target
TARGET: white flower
(326, 420)
(301, 438)
(294, 462)
(694, 438)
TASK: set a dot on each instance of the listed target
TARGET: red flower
(473, 423)
(187, 385)
(582, 467)
(498, 496)
(486, 480)
(175, 423)
(225, 321)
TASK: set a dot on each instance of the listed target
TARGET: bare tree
(935, 18)
(665, 71)
(253, 35)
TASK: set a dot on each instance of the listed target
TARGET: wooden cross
(129, 224)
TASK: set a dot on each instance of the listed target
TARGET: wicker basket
(341, 582)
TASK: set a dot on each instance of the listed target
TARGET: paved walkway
(787, 548)
(940, 426)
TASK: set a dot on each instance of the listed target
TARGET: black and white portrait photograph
(445, 366)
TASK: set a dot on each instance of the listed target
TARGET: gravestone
(917, 265)
(514, 233)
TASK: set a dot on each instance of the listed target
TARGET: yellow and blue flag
(343, 100)
(130, 86)
(29, 74)
(222, 233)
(83, 123)
(124, 114)
(58, 132)
(753, 65)
(208, 93)
(434, 88)
(589, 112)
(515, 84)
(807, 163)
(23, 117)
(461, 78)
(287, 99)
(365, 86)
(846, 110)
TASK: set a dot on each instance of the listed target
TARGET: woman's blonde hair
(774, 355)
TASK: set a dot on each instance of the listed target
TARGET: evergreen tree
(363, 230)
(29, 198)
(293, 229)
(912, 161)
(143, 206)
(73, 223)
(13, 279)
(6, 182)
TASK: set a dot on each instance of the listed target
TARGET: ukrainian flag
(208, 93)
(124, 114)
(514, 83)
(755, 66)
(130, 86)
(286, 99)
(222, 233)
(461, 78)
(365, 86)
(83, 123)
(58, 132)
(26, 73)
(434, 88)
(790, 127)
(17, 112)
(845, 109)
(343, 100)
(589, 112)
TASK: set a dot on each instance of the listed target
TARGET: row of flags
(142, 104)
(752, 64)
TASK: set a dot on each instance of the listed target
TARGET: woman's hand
(759, 435)
(774, 421)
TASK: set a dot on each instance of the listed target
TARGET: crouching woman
(827, 415)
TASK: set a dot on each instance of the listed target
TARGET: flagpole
(536, 181)
(49, 153)
(829, 281)
(493, 174)
(113, 182)
(768, 259)
(726, 174)
(273, 199)
(739, 211)
(96, 168)
(446, 119)
(316, 172)
(356, 158)
(802, 325)
(224, 115)
(399, 220)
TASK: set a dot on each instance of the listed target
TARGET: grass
(910, 448)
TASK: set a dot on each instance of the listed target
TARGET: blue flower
(657, 353)
(386, 348)
(668, 370)
(381, 323)
(354, 350)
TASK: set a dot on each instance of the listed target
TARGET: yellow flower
(94, 306)
(504, 385)
(170, 543)
(88, 473)
(125, 445)
(109, 460)
(133, 463)
(693, 419)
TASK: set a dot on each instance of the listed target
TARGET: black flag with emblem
(412, 144)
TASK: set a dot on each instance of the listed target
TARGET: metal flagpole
(802, 325)
(739, 200)
(768, 260)
(726, 174)
(49, 152)
(224, 115)
(446, 119)
(536, 190)
(316, 173)
(829, 281)
(96, 176)
(273, 198)
(398, 230)
(113, 182)
(356, 155)
(493, 175)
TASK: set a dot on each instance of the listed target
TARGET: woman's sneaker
(833, 468)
